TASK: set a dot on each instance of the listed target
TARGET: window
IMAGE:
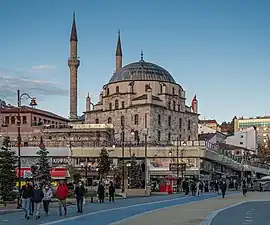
(189, 127)
(109, 120)
(242, 136)
(136, 119)
(110, 106)
(108, 91)
(161, 88)
(169, 121)
(180, 137)
(24, 120)
(180, 124)
(116, 104)
(169, 136)
(123, 104)
(179, 92)
(136, 136)
(159, 120)
(188, 138)
(117, 89)
(179, 108)
(145, 120)
(97, 121)
(169, 105)
(122, 121)
(174, 105)
(158, 135)
(7, 120)
(173, 91)
(241, 143)
(13, 120)
(123, 137)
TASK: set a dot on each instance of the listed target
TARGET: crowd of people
(33, 195)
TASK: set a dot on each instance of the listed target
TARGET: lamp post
(123, 153)
(32, 103)
(145, 158)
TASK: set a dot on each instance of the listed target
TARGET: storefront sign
(60, 161)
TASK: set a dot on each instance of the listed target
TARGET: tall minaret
(88, 103)
(73, 63)
(118, 54)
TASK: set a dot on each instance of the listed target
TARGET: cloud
(42, 67)
(11, 80)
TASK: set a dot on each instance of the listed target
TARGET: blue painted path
(106, 213)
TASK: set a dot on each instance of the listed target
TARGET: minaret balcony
(74, 62)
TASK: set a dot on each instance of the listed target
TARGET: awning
(56, 173)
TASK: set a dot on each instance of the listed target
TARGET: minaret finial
(141, 55)
(73, 35)
(88, 96)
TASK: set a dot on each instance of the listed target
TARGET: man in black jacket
(37, 198)
(27, 193)
(79, 194)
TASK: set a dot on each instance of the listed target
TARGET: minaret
(73, 63)
(88, 103)
(118, 54)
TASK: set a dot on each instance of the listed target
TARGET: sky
(216, 50)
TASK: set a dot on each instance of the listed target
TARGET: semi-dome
(142, 70)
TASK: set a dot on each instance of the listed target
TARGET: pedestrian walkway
(192, 213)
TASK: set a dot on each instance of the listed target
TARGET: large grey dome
(142, 71)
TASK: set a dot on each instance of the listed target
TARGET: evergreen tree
(103, 163)
(43, 173)
(8, 163)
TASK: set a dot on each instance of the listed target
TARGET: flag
(194, 101)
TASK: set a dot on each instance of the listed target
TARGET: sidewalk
(193, 213)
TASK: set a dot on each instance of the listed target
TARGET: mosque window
(108, 91)
(158, 135)
(180, 124)
(110, 106)
(160, 88)
(169, 136)
(174, 105)
(189, 127)
(136, 119)
(122, 121)
(169, 121)
(123, 104)
(97, 121)
(169, 104)
(109, 120)
(117, 89)
(116, 104)
(179, 108)
(189, 138)
(173, 91)
(159, 120)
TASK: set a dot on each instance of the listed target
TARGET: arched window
(174, 105)
(97, 121)
(123, 104)
(161, 87)
(108, 91)
(169, 136)
(158, 135)
(116, 104)
(110, 106)
(169, 121)
(109, 120)
(189, 138)
(159, 119)
(173, 91)
(189, 126)
(169, 104)
(117, 89)
(122, 121)
(136, 137)
(179, 108)
(180, 124)
(136, 119)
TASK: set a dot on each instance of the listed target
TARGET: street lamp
(32, 104)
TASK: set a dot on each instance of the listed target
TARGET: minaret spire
(118, 54)
(142, 55)
(73, 35)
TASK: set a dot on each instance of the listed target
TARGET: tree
(43, 173)
(8, 163)
(103, 163)
(74, 173)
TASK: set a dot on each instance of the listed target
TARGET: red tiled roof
(207, 121)
(27, 109)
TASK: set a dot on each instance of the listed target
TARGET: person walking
(244, 187)
(62, 194)
(79, 194)
(198, 187)
(101, 192)
(37, 198)
(47, 198)
(223, 187)
(27, 193)
(111, 192)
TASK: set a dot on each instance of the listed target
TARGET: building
(139, 98)
(262, 125)
(202, 129)
(212, 124)
(214, 138)
(247, 138)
